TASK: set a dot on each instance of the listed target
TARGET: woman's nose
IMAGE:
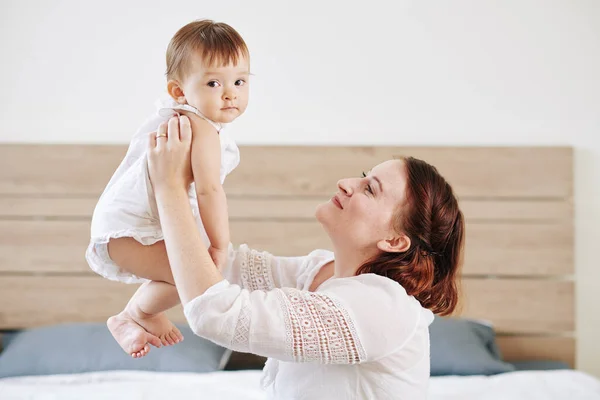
(345, 186)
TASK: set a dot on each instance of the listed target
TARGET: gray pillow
(88, 347)
(464, 347)
(539, 365)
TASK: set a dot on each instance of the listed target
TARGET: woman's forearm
(213, 211)
(192, 267)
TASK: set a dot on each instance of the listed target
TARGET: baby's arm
(212, 202)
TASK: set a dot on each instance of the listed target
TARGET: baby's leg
(149, 262)
(148, 304)
(143, 320)
(147, 307)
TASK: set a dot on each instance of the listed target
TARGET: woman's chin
(321, 213)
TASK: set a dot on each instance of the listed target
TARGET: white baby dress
(127, 207)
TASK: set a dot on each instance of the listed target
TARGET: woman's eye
(213, 84)
(240, 82)
(368, 187)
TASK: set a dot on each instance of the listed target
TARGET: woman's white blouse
(360, 337)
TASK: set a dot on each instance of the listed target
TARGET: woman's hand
(169, 161)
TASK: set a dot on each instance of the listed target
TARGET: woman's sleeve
(260, 270)
(352, 320)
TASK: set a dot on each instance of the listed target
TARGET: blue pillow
(464, 347)
(89, 347)
(539, 365)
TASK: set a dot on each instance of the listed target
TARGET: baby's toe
(177, 333)
(164, 339)
(173, 337)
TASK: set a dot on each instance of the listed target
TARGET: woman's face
(360, 214)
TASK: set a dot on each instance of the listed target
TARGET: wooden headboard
(518, 270)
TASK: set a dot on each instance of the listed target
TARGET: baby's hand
(219, 257)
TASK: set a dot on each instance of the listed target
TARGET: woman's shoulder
(319, 256)
(371, 288)
(314, 256)
(384, 315)
(305, 263)
(311, 265)
(370, 281)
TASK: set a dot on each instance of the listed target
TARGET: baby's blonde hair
(218, 43)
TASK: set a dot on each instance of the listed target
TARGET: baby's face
(218, 92)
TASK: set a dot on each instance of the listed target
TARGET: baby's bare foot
(158, 325)
(131, 337)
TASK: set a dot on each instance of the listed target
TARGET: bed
(237, 385)
(517, 279)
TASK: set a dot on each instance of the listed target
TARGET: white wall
(514, 72)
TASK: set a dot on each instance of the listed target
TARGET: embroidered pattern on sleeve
(241, 334)
(319, 329)
(256, 271)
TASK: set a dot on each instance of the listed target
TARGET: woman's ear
(394, 244)
(176, 92)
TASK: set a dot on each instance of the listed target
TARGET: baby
(208, 65)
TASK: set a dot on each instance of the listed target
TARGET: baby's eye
(213, 84)
(240, 82)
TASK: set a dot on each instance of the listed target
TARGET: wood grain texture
(473, 172)
(490, 249)
(480, 172)
(44, 169)
(47, 207)
(30, 301)
(285, 208)
(38, 300)
(521, 305)
(524, 348)
(517, 203)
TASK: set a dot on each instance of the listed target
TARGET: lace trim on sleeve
(256, 271)
(241, 334)
(319, 329)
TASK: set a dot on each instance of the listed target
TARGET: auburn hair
(217, 43)
(430, 217)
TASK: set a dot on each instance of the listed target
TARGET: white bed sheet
(244, 385)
